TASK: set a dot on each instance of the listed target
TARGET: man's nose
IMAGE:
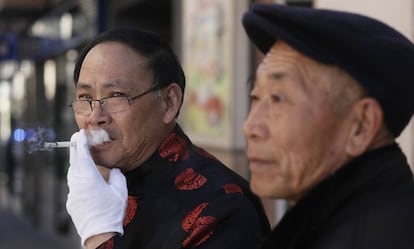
(95, 104)
(97, 116)
(255, 124)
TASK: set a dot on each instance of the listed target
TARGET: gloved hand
(96, 206)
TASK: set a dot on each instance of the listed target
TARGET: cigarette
(61, 144)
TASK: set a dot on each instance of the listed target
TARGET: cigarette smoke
(97, 137)
(35, 139)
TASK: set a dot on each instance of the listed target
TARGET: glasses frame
(102, 100)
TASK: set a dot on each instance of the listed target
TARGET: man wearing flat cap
(332, 93)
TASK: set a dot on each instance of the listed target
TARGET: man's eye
(277, 98)
(118, 95)
(253, 98)
(84, 97)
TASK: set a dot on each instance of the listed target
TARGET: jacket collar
(375, 169)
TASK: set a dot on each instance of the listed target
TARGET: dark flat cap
(376, 55)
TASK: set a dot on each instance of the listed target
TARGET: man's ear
(366, 124)
(172, 98)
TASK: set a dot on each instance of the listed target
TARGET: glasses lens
(81, 107)
(114, 104)
(108, 105)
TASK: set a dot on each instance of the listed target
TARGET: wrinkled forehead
(284, 62)
(282, 47)
(282, 59)
(281, 55)
(115, 53)
(114, 63)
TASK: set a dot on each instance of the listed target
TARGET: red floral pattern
(174, 148)
(191, 217)
(202, 230)
(188, 179)
(131, 209)
(199, 228)
(232, 188)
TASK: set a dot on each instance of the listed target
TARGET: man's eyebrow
(82, 85)
(277, 75)
(282, 76)
(274, 76)
(111, 84)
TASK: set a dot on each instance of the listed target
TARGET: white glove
(96, 206)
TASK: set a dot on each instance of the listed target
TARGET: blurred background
(39, 43)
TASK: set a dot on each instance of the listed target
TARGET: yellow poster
(207, 64)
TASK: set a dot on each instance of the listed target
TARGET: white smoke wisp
(97, 137)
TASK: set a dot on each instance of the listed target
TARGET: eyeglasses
(113, 104)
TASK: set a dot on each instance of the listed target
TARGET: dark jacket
(183, 197)
(368, 204)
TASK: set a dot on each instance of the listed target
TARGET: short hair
(162, 61)
(343, 89)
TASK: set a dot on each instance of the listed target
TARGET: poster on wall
(206, 57)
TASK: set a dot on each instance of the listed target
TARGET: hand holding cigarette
(96, 206)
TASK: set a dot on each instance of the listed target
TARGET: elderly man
(332, 93)
(160, 190)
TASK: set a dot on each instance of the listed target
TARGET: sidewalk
(15, 233)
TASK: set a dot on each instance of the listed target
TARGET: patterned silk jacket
(183, 197)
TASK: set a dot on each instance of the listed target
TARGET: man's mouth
(98, 137)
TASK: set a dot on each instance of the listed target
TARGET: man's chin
(265, 190)
(260, 189)
(102, 160)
